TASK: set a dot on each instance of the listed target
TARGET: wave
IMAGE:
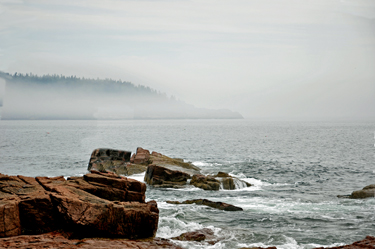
(139, 177)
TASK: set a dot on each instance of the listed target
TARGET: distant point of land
(29, 96)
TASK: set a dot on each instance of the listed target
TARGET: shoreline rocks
(218, 205)
(97, 204)
(221, 180)
(200, 235)
(161, 177)
(123, 163)
(205, 182)
(62, 241)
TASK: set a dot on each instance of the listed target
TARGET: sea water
(296, 170)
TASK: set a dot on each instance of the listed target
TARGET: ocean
(297, 170)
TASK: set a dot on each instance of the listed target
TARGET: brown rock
(198, 235)
(120, 162)
(142, 156)
(163, 177)
(229, 182)
(173, 163)
(366, 192)
(10, 224)
(367, 243)
(222, 174)
(205, 182)
(271, 247)
(98, 204)
(108, 160)
(218, 205)
(59, 240)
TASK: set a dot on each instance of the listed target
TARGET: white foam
(290, 243)
(171, 227)
(139, 177)
(202, 164)
(199, 245)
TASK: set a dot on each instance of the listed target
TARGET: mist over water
(58, 97)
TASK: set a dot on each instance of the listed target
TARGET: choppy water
(297, 170)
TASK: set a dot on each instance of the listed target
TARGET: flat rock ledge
(60, 240)
(366, 192)
(95, 205)
(217, 205)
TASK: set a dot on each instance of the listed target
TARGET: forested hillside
(29, 96)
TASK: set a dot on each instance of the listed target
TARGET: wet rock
(366, 192)
(198, 235)
(173, 163)
(60, 240)
(120, 162)
(142, 156)
(97, 204)
(205, 182)
(109, 160)
(217, 205)
(271, 247)
(229, 182)
(162, 177)
(367, 243)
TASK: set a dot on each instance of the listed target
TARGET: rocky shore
(105, 209)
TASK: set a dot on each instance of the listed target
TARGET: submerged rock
(217, 205)
(366, 192)
(165, 178)
(97, 204)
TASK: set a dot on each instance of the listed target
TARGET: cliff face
(60, 97)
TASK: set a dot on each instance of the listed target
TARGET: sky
(263, 58)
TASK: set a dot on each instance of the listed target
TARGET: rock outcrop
(165, 178)
(61, 241)
(366, 192)
(120, 162)
(219, 181)
(115, 161)
(229, 182)
(217, 205)
(173, 163)
(205, 182)
(95, 205)
(200, 235)
(367, 243)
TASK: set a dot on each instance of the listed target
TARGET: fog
(91, 99)
(265, 59)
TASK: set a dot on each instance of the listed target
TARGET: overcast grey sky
(263, 58)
